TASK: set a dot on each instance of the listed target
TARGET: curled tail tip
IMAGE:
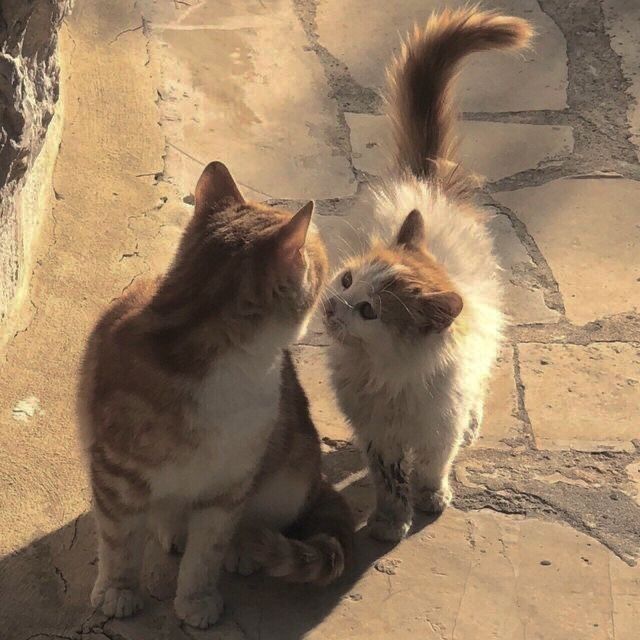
(491, 29)
(317, 560)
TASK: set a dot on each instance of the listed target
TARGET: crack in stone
(520, 400)
(349, 96)
(65, 584)
(506, 481)
(624, 327)
(544, 275)
(131, 30)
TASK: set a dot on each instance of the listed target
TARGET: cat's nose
(330, 307)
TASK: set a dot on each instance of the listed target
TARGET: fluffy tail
(420, 102)
(317, 549)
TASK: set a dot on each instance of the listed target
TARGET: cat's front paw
(115, 602)
(199, 611)
(387, 528)
(433, 502)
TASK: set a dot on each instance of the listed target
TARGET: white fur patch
(236, 408)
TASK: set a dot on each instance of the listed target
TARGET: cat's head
(398, 292)
(240, 263)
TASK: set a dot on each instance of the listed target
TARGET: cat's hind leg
(433, 457)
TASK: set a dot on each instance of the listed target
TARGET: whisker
(401, 302)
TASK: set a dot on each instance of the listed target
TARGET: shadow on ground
(45, 586)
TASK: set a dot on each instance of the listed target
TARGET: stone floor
(544, 535)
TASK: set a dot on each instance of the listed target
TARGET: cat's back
(457, 234)
(105, 363)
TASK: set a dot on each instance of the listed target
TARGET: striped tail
(319, 548)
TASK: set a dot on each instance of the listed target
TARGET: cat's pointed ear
(293, 235)
(412, 233)
(439, 310)
(216, 189)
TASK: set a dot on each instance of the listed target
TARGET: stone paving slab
(523, 294)
(494, 150)
(582, 397)
(589, 232)
(503, 575)
(238, 102)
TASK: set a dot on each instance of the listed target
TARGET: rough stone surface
(523, 294)
(589, 233)
(29, 87)
(502, 422)
(540, 543)
(239, 102)
(538, 84)
(584, 398)
(622, 20)
(493, 150)
(311, 363)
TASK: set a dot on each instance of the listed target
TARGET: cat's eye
(367, 311)
(347, 279)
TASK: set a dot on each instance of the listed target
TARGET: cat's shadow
(45, 587)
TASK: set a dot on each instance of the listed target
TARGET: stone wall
(29, 90)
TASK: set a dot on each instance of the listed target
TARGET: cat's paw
(115, 602)
(199, 611)
(431, 501)
(387, 529)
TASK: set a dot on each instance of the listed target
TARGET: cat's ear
(439, 310)
(216, 189)
(412, 232)
(293, 235)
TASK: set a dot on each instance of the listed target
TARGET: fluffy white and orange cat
(417, 319)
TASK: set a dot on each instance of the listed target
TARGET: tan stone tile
(588, 231)
(493, 150)
(490, 82)
(110, 135)
(622, 19)
(371, 142)
(499, 149)
(311, 364)
(582, 397)
(239, 103)
(475, 575)
(523, 297)
(501, 410)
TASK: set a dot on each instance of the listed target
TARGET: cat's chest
(234, 411)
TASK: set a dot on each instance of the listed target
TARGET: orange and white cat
(417, 319)
(193, 418)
